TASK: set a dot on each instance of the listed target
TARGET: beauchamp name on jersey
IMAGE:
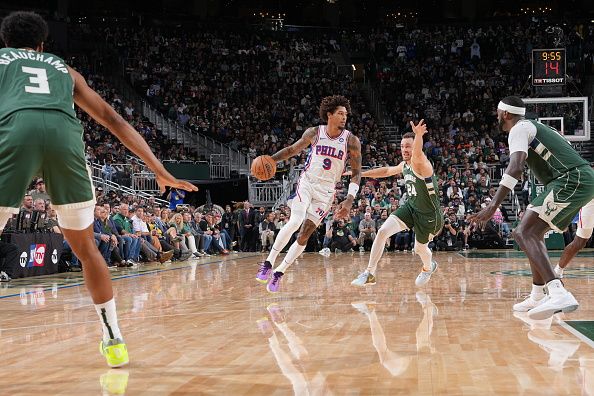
(10, 56)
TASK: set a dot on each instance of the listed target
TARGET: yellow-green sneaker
(115, 352)
(114, 382)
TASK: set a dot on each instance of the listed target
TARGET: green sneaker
(115, 352)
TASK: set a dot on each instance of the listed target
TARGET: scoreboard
(548, 67)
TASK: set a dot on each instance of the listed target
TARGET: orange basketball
(263, 167)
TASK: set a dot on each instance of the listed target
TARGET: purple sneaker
(274, 282)
(277, 313)
(264, 272)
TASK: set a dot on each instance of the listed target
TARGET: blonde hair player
(331, 145)
(421, 211)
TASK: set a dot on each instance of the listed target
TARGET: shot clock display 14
(548, 67)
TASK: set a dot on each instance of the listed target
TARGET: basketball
(263, 167)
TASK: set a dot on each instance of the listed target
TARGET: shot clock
(548, 67)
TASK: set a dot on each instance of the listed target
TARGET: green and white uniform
(567, 177)
(39, 132)
(421, 212)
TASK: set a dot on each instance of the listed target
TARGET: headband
(511, 109)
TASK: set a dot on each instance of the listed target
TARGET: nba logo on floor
(36, 256)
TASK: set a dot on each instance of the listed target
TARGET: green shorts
(426, 225)
(46, 143)
(563, 197)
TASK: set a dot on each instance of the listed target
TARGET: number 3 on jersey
(327, 164)
(39, 78)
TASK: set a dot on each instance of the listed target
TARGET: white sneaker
(361, 249)
(528, 304)
(558, 271)
(424, 276)
(558, 302)
(325, 252)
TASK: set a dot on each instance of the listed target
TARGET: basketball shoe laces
(263, 268)
(275, 278)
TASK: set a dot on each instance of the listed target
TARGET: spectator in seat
(342, 240)
(196, 232)
(131, 248)
(176, 197)
(367, 231)
(107, 231)
(105, 242)
(108, 171)
(178, 232)
(39, 191)
(27, 203)
(267, 230)
(229, 222)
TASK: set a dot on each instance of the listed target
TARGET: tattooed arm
(288, 152)
(354, 148)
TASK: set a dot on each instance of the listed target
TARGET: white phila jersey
(326, 161)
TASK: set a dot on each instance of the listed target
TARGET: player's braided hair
(331, 103)
(23, 29)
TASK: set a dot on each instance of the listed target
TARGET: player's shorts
(46, 143)
(426, 225)
(563, 197)
(317, 200)
(586, 221)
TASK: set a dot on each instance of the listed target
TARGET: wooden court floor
(207, 327)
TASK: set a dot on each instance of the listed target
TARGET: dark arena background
(213, 84)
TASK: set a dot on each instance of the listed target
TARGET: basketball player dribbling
(41, 136)
(421, 212)
(331, 145)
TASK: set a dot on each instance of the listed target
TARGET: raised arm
(306, 140)
(103, 113)
(385, 171)
(419, 162)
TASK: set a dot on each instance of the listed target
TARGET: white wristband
(353, 189)
(508, 181)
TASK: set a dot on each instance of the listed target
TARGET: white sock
(558, 270)
(281, 241)
(391, 226)
(556, 287)
(537, 292)
(109, 320)
(294, 251)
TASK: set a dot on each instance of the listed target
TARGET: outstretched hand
(420, 129)
(483, 216)
(167, 179)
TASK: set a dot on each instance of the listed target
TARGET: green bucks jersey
(422, 192)
(549, 154)
(34, 80)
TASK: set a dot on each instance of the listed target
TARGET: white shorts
(315, 199)
(586, 221)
